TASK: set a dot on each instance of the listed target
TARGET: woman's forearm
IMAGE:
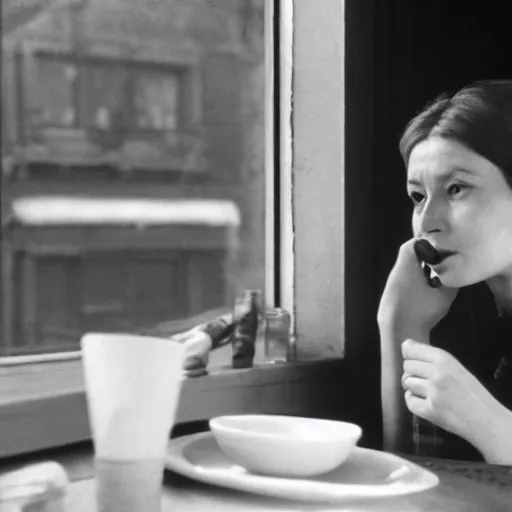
(397, 429)
(397, 436)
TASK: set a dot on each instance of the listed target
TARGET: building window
(156, 101)
(105, 95)
(57, 81)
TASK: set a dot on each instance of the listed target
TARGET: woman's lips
(443, 256)
(430, 254)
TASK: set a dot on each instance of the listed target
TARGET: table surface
(465, 486)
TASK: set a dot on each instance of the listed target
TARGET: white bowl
(284, 445)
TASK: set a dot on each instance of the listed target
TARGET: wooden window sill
(43, 405)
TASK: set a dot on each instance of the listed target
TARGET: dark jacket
(480, 337)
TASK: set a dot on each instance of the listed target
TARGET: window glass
(133, 171)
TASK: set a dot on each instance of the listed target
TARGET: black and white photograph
(256, 255)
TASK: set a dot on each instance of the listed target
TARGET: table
(464, 487)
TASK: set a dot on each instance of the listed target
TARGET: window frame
(37, 418)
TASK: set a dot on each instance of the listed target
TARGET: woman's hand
(439, 389)
(409, 308)
(408, 303)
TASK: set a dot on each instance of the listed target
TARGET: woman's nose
(433, 217)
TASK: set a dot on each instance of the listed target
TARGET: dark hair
(479, 116)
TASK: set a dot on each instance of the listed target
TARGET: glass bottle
(279, 346)
(248, 319)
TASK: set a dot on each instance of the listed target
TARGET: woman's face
(462, 204)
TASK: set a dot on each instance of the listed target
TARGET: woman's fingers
(412, 349)
(418, 368)
(416, 385)
(402, 380)
(417, 405)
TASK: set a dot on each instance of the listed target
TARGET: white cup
(132, 385)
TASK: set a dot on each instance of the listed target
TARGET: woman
(436, 363)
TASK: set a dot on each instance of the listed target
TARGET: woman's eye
(416, 197)
(455, 189)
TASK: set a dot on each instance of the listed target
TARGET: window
(113, 95)
(106, 95)
(309, 220)
(138, 157)
(58, 80)
(156, 101)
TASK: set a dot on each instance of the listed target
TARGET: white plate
(365, 474)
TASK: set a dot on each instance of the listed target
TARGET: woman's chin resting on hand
(459, 178)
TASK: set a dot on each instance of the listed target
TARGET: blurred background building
(132, 164)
